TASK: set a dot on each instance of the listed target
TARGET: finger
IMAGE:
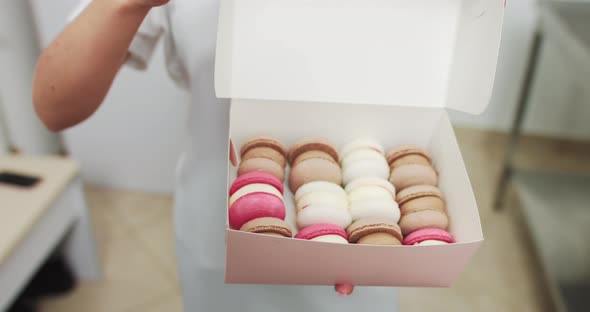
(344, 289)
(232, 154)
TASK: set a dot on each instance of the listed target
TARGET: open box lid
(428, 53)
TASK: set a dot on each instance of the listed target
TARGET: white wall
(19, 50)
(4, 144)
(134, 139)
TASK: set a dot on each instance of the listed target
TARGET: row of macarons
(256, 205)
(318, 160)
(369, 198)
(365, 171)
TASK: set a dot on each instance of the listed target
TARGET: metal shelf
(556, 207)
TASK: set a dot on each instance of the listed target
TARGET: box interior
(392, 126)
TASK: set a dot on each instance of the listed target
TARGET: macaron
(369, 192)
(408, 154)
(316, 214)
(254, 188)
(408, 175)
(312, 144)
(420, 197)
(264, 142)
(324, 232)
(361, 159)
(374, 231)
(314, 166)
(265, 152)
(320, 186)
(375, 182)
(323, 199)
(253, 206)
(422, 219)
(364, 168)
(361, 144)
(268, 226)
(362, 154)
(386, 209)
(254, 178)
(429, 236)
(261, 165)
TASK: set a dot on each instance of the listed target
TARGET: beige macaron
(409, 175)
(423, 219)
(262, 165)
(374, 231)
(408, 154)
(314, 166)
(263, 141)
(266, 152)
(420, 197)
(316, 144)
(268, 226)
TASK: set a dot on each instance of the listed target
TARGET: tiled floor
(135, 236)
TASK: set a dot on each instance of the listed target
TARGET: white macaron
(364, 169)
(362, 154)
(323, 214)
(319, 186)
(365, 143)
(377, 208)
(336, 239)
(322, 198)
(370, 181)
(369, 192)
(431, 243)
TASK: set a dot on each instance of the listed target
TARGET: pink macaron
(255, 205)
(256, 177)
(428, 234)
(321, 229)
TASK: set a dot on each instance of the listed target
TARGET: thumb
(344, 289)
(232, 154)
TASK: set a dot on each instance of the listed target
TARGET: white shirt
(189, 28)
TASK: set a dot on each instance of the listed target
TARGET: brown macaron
(423, 219)
(262, 165)
(413, 174)
(268, 226)
(420, 197)
(307, 145)
(374, 231)
(314, 166)
(407, 154)
(263, 141)
(266, 152)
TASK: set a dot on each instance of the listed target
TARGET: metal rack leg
(517, 123)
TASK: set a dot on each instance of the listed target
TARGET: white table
(33, 222)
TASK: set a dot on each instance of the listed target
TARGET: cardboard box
(348, 69)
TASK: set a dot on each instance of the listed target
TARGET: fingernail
(343, 290)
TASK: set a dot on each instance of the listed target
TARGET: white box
(347, 69)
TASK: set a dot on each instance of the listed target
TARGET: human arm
(76, 70)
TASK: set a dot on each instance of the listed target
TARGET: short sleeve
(144, 43)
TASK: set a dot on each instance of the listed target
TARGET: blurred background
(535, 136)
